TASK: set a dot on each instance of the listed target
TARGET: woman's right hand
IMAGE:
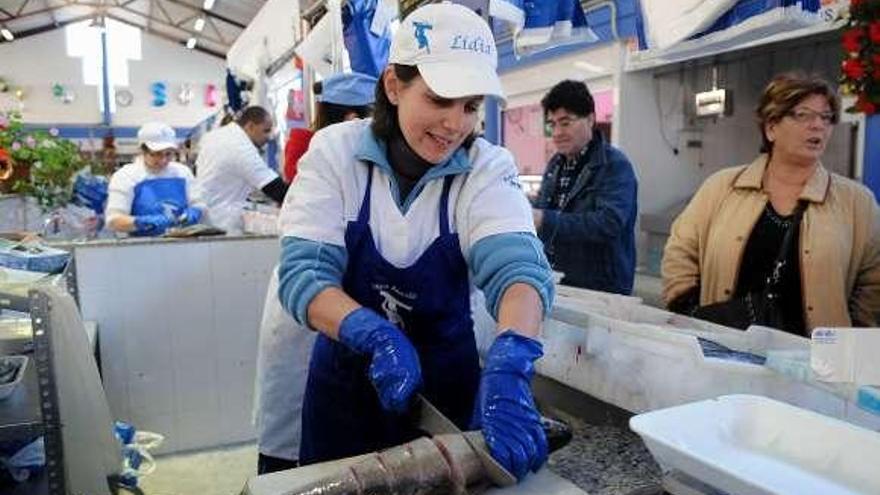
(394, 365)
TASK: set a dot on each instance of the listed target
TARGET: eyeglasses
(803, 116)
(563, 123)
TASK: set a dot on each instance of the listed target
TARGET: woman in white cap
(153, 193)
(390, 225)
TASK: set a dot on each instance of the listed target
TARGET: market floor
(215, 472)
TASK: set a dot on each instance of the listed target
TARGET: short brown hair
(784, 92)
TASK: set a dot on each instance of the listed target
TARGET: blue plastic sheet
(551, 23)
(368, 43)
(746, 9)
(234, 87)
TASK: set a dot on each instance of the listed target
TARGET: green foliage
(52, 162)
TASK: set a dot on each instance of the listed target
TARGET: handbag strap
(776, 275)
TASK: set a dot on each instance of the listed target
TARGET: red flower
(852, 40)
(865, 105)
(876, 59)
(4, 155)
(853, 68)
(874, 31)
(854, 3)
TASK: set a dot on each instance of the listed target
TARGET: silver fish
(444, 464)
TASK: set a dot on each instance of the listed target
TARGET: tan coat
(839, 243)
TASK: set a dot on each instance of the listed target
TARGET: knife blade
(432, 421)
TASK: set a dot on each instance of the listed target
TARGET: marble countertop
(607, 460)
(135, 241)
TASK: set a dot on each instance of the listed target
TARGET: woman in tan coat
(724, 246)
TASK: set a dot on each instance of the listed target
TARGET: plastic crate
(33, 258)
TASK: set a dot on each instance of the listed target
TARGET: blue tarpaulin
(549, 23)
(365, 30)
(746, 9)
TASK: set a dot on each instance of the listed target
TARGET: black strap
(776, 275)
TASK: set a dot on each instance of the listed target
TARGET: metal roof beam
(21, 8)
(163, 23)
(209, 13)
(50, 27)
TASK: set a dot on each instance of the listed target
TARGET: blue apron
(163, 196)
(430, 302)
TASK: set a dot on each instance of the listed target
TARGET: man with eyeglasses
(586, 209)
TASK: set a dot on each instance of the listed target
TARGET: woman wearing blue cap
(342, 97)
(389, 227)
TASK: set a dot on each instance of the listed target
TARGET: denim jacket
(591, 238)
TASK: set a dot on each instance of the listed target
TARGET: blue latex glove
(505, 408)
(152, 224)
(394, 364)
(189, 216)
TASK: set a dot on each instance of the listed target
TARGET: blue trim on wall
(628, 19)
(871, 162)
(97, 132)
(492, 132)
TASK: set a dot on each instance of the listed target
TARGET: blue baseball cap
(352, 89)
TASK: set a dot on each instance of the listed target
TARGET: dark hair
(227, 118)
(254, 114)
(572, 96)
(385, 121)
(783, 93)
(333, 113)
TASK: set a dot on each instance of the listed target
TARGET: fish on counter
(442, 464)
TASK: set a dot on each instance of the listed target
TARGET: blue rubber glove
(189, 216)
(152, 224)
(394, 363)
(505, 408)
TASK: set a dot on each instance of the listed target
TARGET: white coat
(229, 167)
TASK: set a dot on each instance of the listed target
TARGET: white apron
(282, 368)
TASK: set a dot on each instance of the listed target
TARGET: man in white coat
(229, 167)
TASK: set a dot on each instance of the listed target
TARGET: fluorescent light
(208, 4)
(200, 24)
(191, 43)
(7, 34)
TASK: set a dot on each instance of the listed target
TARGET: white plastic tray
(752, 445)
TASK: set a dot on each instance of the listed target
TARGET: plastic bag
(136, 458)
(90, 190)
(27, 461)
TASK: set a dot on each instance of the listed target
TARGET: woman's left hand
(505, 408)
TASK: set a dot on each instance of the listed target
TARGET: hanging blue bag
(366, 35)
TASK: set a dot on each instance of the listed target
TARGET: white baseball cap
(453, 49)
(157, 136)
